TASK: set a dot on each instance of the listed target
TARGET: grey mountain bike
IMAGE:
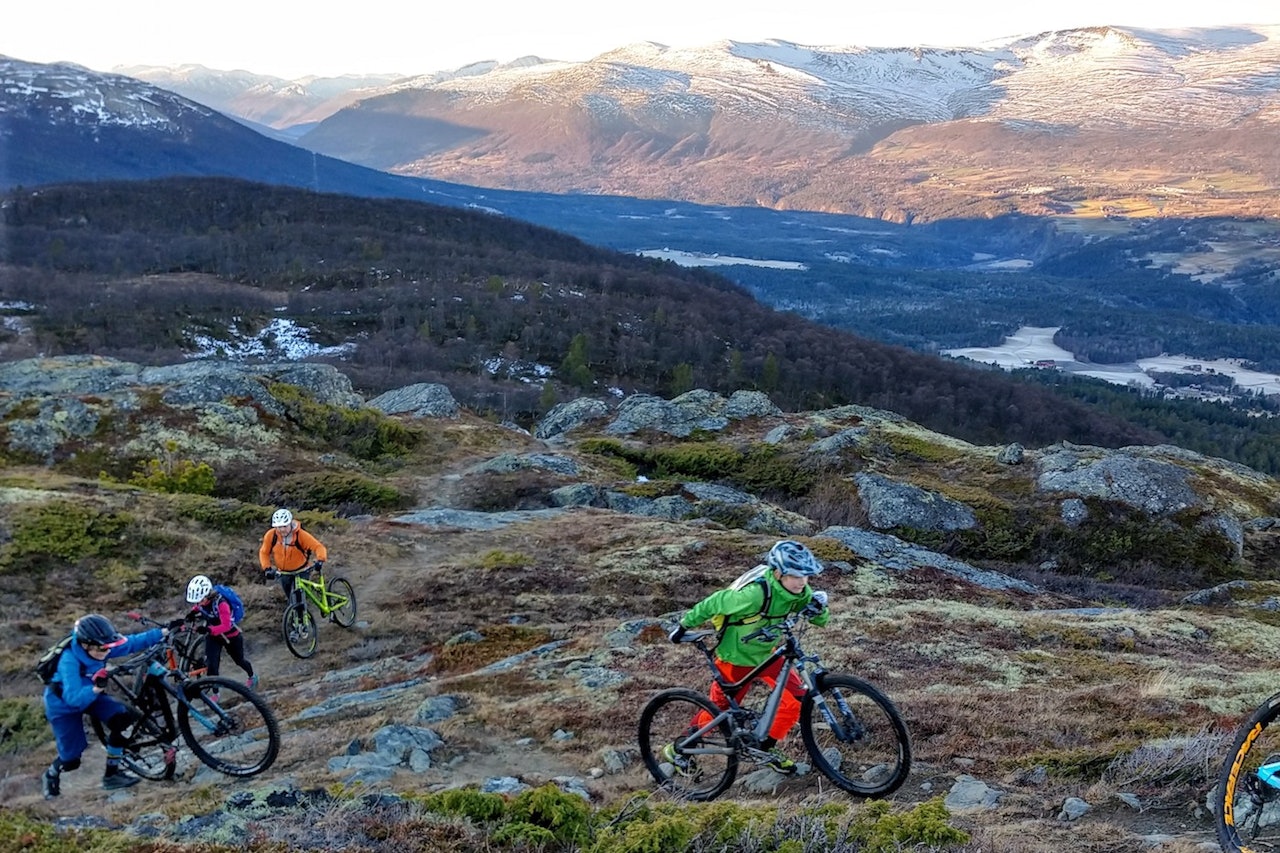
(852, 732)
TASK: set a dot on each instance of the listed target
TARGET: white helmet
(281, 518)
(197, 588)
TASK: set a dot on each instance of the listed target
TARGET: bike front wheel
(1247, 799)
(855, 736)
(342, 598)
(299, 629)
(691, 768)
(228, 726)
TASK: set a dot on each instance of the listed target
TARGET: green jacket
(743, 603)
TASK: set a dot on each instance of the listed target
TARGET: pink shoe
(252, 682)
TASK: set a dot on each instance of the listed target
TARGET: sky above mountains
(385, 36)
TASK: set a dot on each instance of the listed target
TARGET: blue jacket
(71, 690)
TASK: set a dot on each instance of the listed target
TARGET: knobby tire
(1246, 808)
(667, 718)
(238, 735)
(868, 753)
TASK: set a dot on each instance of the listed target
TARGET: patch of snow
(697, 259)
(282, 338)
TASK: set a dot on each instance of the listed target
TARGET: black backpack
(47, 667)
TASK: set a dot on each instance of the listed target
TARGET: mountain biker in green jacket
(742, 609)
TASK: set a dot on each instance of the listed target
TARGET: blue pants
(68, 729)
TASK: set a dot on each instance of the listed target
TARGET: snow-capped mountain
(67, 123)
(841, 128)
(273, 102)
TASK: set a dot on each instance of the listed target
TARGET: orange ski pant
(788, 708)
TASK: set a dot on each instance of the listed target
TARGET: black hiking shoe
(51, 783)
(116, 778)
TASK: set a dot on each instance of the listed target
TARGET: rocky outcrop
(1153, 486)
(694, 410)
(564, 417)
(897, 555)
(49, 402)
(423, 400)
(890, 504)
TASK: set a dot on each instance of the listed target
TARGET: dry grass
(991, 684)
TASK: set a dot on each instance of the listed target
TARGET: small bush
(175, 475)
(882, 831)
(22, 722)
(224, 514)
(65, 531)
(567, 817)
(363, 433)
(476, 806)
(496, 560)
(342, 493)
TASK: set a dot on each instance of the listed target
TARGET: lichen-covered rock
(1155, 487)
(1011, 455)
(890, 504)
(565, 417)
(423, 400)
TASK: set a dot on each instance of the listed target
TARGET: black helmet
(97, 630)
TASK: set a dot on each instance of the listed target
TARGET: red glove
(100, 678)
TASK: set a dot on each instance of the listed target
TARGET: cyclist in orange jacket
(287, 548)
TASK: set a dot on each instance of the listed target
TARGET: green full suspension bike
(852, 732)
(333, 598)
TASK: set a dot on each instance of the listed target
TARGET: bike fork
(844, 723)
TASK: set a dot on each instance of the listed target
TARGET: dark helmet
(793, 558)
(97, 630)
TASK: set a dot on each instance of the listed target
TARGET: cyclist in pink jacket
(219, 627)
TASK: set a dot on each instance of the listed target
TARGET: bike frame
(795, 660)
(161, 675)
(313, 590)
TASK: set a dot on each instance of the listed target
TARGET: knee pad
(120, 721)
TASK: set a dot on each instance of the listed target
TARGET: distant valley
(1122, 281)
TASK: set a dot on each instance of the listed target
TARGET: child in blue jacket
(78, 688)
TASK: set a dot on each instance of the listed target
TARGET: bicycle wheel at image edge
(1247, 807)
(228, 726)
(867, 751)
(299, 629)
(339, 590)
(711, 764)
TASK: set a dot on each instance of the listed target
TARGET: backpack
(47, 667)
(757, 575)
(233, 601)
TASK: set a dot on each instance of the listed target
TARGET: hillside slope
(511, 589)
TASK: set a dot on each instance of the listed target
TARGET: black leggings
(235, 648)
(117, 723)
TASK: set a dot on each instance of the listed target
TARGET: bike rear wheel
(711, 761)
(190, 653)
(151, 751)
(341, 593)
(855, 736)
(228, 726)
(299, 629)
(1247, 799)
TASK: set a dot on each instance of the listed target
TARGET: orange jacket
(291, 552)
